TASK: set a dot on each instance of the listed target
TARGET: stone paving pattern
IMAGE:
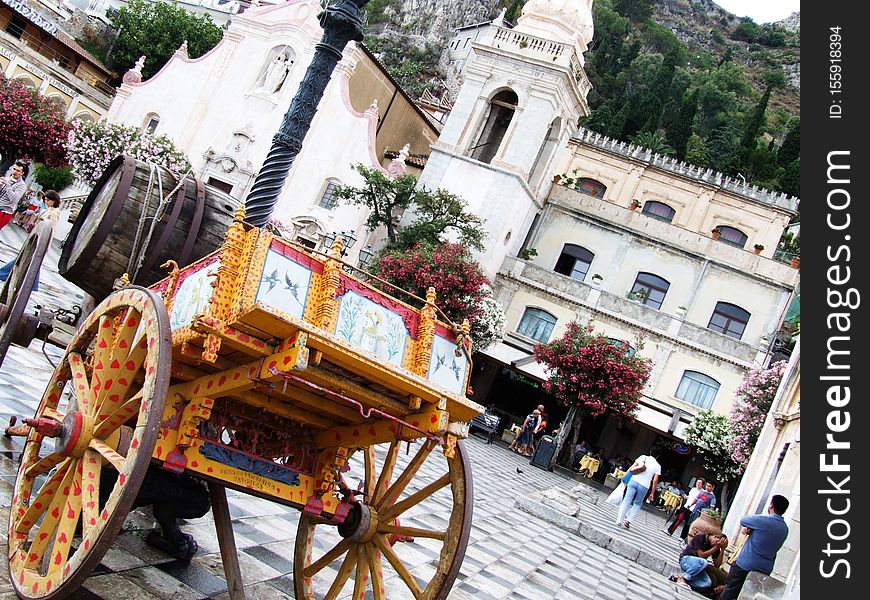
(511, 554)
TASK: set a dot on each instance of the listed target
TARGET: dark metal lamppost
(341, 21)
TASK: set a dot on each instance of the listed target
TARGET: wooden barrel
(120, 209)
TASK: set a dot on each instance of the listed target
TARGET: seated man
(693, 562)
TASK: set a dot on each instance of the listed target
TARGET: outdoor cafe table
(671, 501)
(590, 465)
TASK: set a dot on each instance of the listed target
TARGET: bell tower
(523, 92)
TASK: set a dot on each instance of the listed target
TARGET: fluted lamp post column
(341, 21)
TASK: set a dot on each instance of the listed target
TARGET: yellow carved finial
(239, 216)
(430, 295)
(121, 282)
(337, 247)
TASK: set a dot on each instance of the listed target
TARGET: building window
(328, 199)
(650, 289)
(697, 389)
(151, 123)
(495, 126)
(591, 187)
(16, 26)
(574, 261)
(658, 210)
(629, 349)
(729, 319)
(223, 186)
(732, 236)
(537, 324)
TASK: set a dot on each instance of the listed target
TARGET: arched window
(658, 210)
(729, 319)
(698, 389)
(574, 261)
(26, 81)
(591, 187)
(537, 324)
(732, 236)
(58, 101)
(629, 349)
(149, 125)
(495, 126)
(84, 117)
(650, 289)
(328, 199)
(545, 152)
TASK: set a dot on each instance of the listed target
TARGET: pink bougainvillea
(31, 126)
(592, 372)
(754, 400)
(459, 283)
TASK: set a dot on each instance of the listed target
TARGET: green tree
(514, 11)
(654, 141)
(636, 10)
(54, 178)
(755, 122)
(790, 180)
(724, 148)
(746, 32)
(711, 435)
(438, 213)
(681, 128)
(791, 145)
(157, 30)
(696, 151)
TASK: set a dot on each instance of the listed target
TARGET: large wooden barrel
(120, 208)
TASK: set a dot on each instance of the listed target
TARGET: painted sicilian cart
(266, 369)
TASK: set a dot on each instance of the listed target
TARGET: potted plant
(681, 311)
(557, 178)
(716, 233)
(635, 204)
(709, 521)
(758, 248)
(528, 253)
(796, 262)
(597, 279)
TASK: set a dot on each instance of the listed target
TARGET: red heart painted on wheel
(123, 381)
(114, 364)
(130, 365)
(70, 514)
(122, 344)
(56, 512)
(134, 444)
(122, 479)
(62, 537)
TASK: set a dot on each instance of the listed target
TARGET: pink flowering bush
(459, 283)
(592, 372)
(92, 146)
(31, 126)
(754, 400)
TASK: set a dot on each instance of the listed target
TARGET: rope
(140, 246)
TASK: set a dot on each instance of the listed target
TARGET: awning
(518, 359)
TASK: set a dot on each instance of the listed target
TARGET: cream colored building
(707, 309)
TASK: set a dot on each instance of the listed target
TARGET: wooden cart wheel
(366, 548)
(116, 370)
(19, 284)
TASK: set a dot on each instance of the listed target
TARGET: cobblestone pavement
(511, 554)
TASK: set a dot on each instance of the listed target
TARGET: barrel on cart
(137, 216)
(260, 366)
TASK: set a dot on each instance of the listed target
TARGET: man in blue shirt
(767, 534)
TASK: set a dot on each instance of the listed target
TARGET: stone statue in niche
(275, 75)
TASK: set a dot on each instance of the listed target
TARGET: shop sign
(32, 15)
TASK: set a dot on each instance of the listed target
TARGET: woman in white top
(687, 507)
(645, 475)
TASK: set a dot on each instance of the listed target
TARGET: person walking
(766, 535)
(12, 188)
(525, 439)
(645, 475)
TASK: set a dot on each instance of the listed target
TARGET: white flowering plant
(92, 146)
(712, 435)
(487, 328)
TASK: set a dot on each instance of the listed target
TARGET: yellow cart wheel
(377, 548)
(116, 370)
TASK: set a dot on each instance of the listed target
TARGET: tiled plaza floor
(511, 554)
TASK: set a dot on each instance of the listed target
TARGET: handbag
(627, 477)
